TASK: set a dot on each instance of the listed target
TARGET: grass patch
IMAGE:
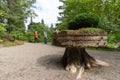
(16, 42)
(85, 31)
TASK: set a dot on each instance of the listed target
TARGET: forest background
(14, 14)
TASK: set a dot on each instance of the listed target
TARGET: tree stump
(75, 56)
(78, 57)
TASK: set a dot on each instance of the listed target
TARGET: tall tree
(16, 13)
(42, 21)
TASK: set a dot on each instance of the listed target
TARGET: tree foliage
(84, 20)
(2, 28)
(40, 27)
(107, 10)
(15, 12)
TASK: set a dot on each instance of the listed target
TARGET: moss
(84, 31)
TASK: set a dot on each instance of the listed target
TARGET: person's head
(35, 31)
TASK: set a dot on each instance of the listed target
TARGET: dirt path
(41, 62)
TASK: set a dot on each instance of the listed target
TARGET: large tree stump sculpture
(75, 56)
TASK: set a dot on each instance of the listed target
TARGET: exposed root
(76, 58)
(71, 68)
(101, 63)
(79, 75)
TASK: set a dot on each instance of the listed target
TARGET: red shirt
(35, 35)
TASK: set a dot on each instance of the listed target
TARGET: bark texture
(77, 56)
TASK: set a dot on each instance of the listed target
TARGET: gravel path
(37, 61)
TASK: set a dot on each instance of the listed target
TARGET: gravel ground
(38, 61)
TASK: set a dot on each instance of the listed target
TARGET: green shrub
(18, 35)
(111, 38)
(31, 39)
(84, 20)
(30, 36)
(2, 28)
(1, 41)
(7, 37)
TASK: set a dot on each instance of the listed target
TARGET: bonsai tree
(75, 40)
(75, 56)
(84, 20)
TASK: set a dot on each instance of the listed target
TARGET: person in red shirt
(35, 37)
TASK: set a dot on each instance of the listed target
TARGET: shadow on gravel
(51, 62)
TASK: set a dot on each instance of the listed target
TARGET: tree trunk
(76, 57)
